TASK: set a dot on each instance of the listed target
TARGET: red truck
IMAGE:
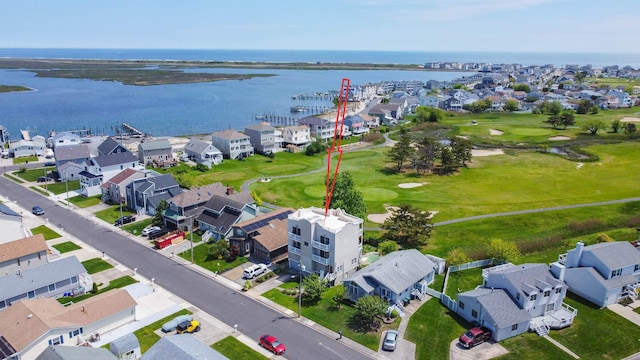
(474, 336)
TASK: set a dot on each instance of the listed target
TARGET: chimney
(229, 190)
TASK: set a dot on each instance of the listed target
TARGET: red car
(272, 344)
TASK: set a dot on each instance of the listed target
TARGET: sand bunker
(380, 218)
(410, 185)
(630, 119)
(559, 138)
(477, 152)
(495, 132)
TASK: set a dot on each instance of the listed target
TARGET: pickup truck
(474, 336)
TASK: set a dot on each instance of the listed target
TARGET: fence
(444, 298)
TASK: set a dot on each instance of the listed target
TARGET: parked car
(474, 336)
(254, 270)
(188, 327)
(37, 210)
(272, 344)
(157, 233)
(149, 229)
(44, 179)
(124, 220)
(172, 324)
(50, 163)
(390, 340)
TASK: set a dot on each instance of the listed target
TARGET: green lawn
(13, 178)
(62, 187)
(40, 190)
(25, 160)
(530, 346)
(83, 201)
(66, 247)
(598, 333)
(326, 314)
(96, 265)
(113, 284)
(202, 258)
(236, 350)
(45, 231)
(110, 215)
(136, 227)
(147, 336)
(33, 174)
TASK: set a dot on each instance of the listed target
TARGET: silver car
(390, 340)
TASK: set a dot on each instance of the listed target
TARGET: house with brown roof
(233, 144)
(264, 237)
(28, 327)
(114, 189)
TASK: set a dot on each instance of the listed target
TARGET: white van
(254, 270)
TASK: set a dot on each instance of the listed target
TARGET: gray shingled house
(183, 347)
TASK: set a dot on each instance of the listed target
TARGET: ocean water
(181, 109)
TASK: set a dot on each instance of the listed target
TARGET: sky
(588, 26)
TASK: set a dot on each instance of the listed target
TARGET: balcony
(294, 250)
(320, 246)
(321, 260)
(293, 237)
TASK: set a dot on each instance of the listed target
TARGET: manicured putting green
(530, 131)
(368, 193)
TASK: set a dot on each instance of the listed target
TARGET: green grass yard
(66, 246)
(48, 233)
(96, 265)
(147, 336)
(236, 350)
(84, 202)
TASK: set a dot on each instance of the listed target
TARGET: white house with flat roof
(329, 245)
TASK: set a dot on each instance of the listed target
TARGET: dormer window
(616, 272)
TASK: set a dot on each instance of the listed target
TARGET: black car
(50, 163)
(44, 179)
(124, 220)
(157, 233)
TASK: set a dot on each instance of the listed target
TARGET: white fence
(444, 298)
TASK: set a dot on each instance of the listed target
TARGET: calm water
(163, 110)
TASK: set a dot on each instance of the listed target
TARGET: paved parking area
(484, 351)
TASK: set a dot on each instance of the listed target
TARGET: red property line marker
(335, 145)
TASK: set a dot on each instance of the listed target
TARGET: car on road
(272, 344)
(188, 327)
(474, 336)
(254, 270)
(390, 340)
(172, 324)
(37, 210)
(124, 220)
(149, 229)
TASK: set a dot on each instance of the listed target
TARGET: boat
(298, 108)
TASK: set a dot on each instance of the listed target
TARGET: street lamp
(300, 288)
(218, 268)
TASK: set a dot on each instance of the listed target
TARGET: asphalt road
(252, 317)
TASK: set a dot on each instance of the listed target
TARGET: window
(533, 297)
(547, 293)
(353, 261)
(75, 333)
(247, 247)
(3, 304)
(474, 313)
(56, 341)
(52, 287)
(31, 294)
(518, 296)
(636, 268)
(514, 327)
(306, 243)
(461, 305)
(74, 279)
(550, 307)
(296, 230)
(324, 240)
(558, 290)
(617, 272)
(296, 244)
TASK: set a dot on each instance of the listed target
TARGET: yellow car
(188, 327)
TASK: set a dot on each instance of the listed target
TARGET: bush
(394, 314)
(603, 238)
(586, 226)
(95, 289)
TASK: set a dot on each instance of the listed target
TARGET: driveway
(484, 351)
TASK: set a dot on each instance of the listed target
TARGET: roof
(199, 195)
(61, 352)
(116, 159)
(89, 175)
(314, 120)
(121, 177)
(36, 277)
(499, 306)
(397, 271)
(124, 344)
(5, 210)
(334, 221)
(19, 248)
(39, 316)
(163, 182)
(107, 146)
(73, 152)
(614, 255)
(593, 277)
(199, 146)
(181, 346)
(161, 144)
(260, 127)
(525, 277)
(229, 134)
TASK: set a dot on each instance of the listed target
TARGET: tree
(347, 197)
(503, 250)
(428, 114)
(629, 128)
(402, 150)
(553, 108)
(521, 87)
(478, 106)
(409, 226)
(158, 217)
(316, 146)
(592, 126)
(615, 126)
(448, 162)
(387, 247)
(563, 120)
(368, 310)
(427, 151)
(313, 288)
(511, 105)
(340, 293)
(579, 76)
(584, 106)
(461, 149)
(456, 257)
(219, 250)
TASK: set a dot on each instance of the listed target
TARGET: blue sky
(380, 25)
